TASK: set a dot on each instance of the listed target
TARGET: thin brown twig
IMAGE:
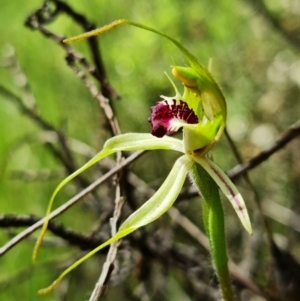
(108, 266)
(84, 242)
(99, 72)
(48, 14)
(72, 56)
(103, 101)
(286, 137)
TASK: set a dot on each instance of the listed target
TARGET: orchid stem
(213, 217)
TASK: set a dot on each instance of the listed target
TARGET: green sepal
(228, 188)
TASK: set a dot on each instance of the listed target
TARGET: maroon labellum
(167, 117)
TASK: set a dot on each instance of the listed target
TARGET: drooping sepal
(228, 188)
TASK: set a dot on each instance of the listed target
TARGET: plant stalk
(213, 217)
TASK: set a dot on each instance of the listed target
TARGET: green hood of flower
(202, 95)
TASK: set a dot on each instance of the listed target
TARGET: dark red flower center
(165, 117)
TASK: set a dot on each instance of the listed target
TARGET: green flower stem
(213, 217)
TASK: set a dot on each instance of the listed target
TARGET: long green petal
(203, 76)
(156, 206)
(125, 142)
(228, 188)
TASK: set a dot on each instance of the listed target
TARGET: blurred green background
(257, 67)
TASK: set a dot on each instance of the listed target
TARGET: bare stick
(286, 137)
(103, 101)
(49, 13)
(84, 242)
(108, 266)
(34, 22)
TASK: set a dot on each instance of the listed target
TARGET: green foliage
(257, 68)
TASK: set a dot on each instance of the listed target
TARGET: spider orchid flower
(201, 114)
